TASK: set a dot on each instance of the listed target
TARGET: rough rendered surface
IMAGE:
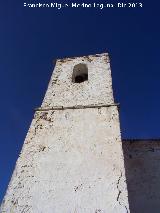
(72, 159)
(97, 90)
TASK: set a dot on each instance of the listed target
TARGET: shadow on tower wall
(142, 168)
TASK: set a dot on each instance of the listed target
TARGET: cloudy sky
(30, 38)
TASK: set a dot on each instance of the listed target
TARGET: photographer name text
(100, 6)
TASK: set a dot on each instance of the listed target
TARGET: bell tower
(72, 159)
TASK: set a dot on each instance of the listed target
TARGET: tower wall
(97, 90)
(72, 159)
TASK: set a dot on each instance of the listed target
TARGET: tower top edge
(81, 57)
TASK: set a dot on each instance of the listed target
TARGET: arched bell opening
(80, 73)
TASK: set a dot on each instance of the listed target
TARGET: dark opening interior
(80, 73)
(81, 78)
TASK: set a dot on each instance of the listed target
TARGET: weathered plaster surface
(98, 89)
(72, 159)
(142, 165)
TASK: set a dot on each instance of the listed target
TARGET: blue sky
(31, 38)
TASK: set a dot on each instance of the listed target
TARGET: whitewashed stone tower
(72, 159)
